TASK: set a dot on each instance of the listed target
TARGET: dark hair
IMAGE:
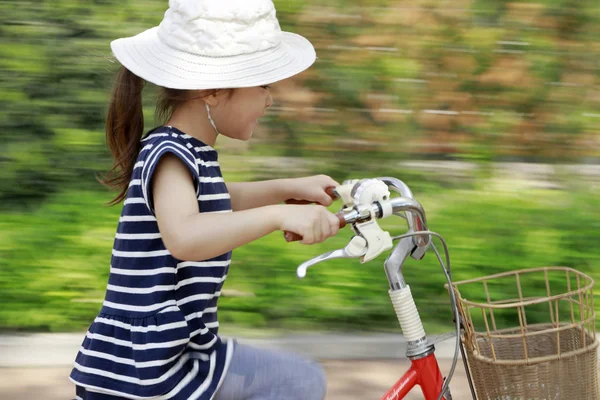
(125, 125)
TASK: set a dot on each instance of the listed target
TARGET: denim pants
(271, 375)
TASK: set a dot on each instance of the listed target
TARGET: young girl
(156, 336)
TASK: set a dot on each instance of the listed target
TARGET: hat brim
(149, 58)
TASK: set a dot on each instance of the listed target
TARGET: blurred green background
(488, 109)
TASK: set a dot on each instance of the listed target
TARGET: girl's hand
(311, 189)
(314, 223)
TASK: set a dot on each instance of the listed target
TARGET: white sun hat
(215, 44)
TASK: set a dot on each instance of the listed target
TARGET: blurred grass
(55, 261)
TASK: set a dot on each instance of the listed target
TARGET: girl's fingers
(325, 228)
(307, 238)
(318, 234)
(334, 224)
(329, 181)
(334, 183)
(326, 200)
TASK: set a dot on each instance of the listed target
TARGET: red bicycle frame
(424, 372)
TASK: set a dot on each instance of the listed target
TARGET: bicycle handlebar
(379, 209)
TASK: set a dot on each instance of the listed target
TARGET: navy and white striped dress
(156, 334)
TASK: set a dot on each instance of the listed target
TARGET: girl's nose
(269, 100)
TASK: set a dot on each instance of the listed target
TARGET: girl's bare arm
(191, 235)
(247, 195)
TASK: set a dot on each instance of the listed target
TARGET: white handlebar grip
(407, 313)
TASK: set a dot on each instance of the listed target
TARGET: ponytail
(124, 129)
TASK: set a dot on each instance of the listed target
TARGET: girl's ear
(217, 97)
(212, 99)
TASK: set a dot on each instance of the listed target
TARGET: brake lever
(357, 247)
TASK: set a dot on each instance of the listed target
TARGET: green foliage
(54, 262)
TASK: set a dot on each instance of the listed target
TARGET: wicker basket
(531, 334)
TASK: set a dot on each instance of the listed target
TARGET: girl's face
(236, 114)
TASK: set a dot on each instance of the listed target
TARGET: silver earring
(210, 119)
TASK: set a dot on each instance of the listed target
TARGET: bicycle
(365, 201)
(493, 352)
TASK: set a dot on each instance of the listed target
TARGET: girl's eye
(266, 86)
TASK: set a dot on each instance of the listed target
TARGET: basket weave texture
(531, 334)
